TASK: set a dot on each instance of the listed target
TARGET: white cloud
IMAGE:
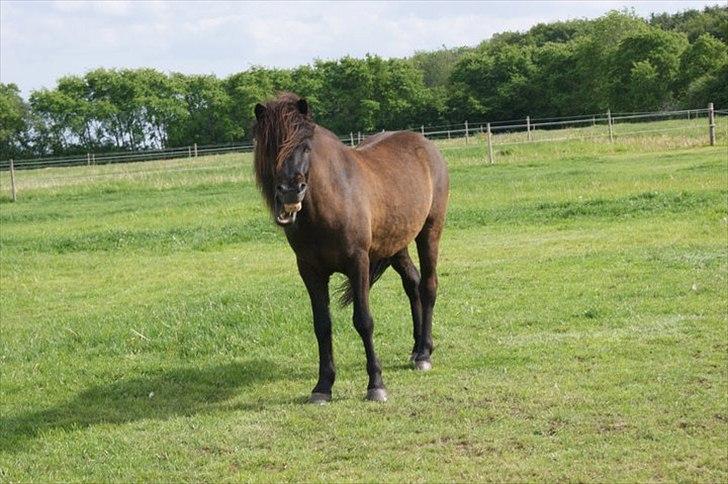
(116, 8)
(69, 5)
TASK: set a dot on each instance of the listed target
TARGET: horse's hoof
(422, 365)
(377, 395)
(319, 398)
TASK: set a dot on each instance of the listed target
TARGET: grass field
(154, 326)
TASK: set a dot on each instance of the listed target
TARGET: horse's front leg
(364, 324)
(317, 285)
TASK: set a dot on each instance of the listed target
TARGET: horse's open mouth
(287, 214)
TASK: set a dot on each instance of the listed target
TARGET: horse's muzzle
(288, 204)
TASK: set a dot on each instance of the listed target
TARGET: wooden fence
(467, 131)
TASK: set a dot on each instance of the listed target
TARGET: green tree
(703, 57)
(307, 81)
(554, 84)
(593, 54)
(492, 83)
(370, 94)
(556, 32)
(208, 106)
(402, 95)
(55, 116)
(247, 88)
(694, 23)
(348, 105)
(116, 97)
(14, 122)
(162, 101)
(437, 65)
(644, 69)
(709, 88)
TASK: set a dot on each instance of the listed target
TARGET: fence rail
(465, 129)
(126, 156)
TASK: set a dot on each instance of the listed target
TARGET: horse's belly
(395, 231)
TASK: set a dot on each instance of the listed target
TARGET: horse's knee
(363, 323)
(428, 288)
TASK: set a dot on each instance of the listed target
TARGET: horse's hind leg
(428, 241)
(402, 263)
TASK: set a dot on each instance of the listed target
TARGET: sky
(41, 41)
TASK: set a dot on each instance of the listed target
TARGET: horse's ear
(259, 111)
(302, 106)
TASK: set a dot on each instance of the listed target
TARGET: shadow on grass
(177, 392)
(399, 367)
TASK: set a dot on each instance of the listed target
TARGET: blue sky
(43, 40)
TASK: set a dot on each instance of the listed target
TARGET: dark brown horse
(353, 211)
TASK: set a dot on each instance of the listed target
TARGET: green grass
(154, 326)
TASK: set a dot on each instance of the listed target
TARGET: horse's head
(283, 132)
(291, 184)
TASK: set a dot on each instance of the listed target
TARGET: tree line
(618, 61)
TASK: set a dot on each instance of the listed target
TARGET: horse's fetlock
(331, 375)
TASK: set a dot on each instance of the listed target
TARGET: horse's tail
(376, 269)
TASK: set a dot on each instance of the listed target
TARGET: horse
(353, 211)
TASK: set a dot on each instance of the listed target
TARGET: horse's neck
(330, 151)
(330, 171)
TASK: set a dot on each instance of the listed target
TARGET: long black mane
(278, 132)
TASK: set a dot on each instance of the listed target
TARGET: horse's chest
(323, 248)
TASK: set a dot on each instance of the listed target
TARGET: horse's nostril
(301, 187)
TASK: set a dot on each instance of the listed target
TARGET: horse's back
(401, 148)
(375, 139)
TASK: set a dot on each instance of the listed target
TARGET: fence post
(594, 120)
(467, 133)
(711, 124)
(12, 179)
(358, 136)
(609, 122)
(88, 159)
(490, 146)
(528, 127)
(688, 114)
(422, 130)
(351, 138)
(448, 134)
(195, 149)
(189, 152)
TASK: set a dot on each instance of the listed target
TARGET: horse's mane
(279, 131)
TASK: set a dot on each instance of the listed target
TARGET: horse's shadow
(177, 392)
